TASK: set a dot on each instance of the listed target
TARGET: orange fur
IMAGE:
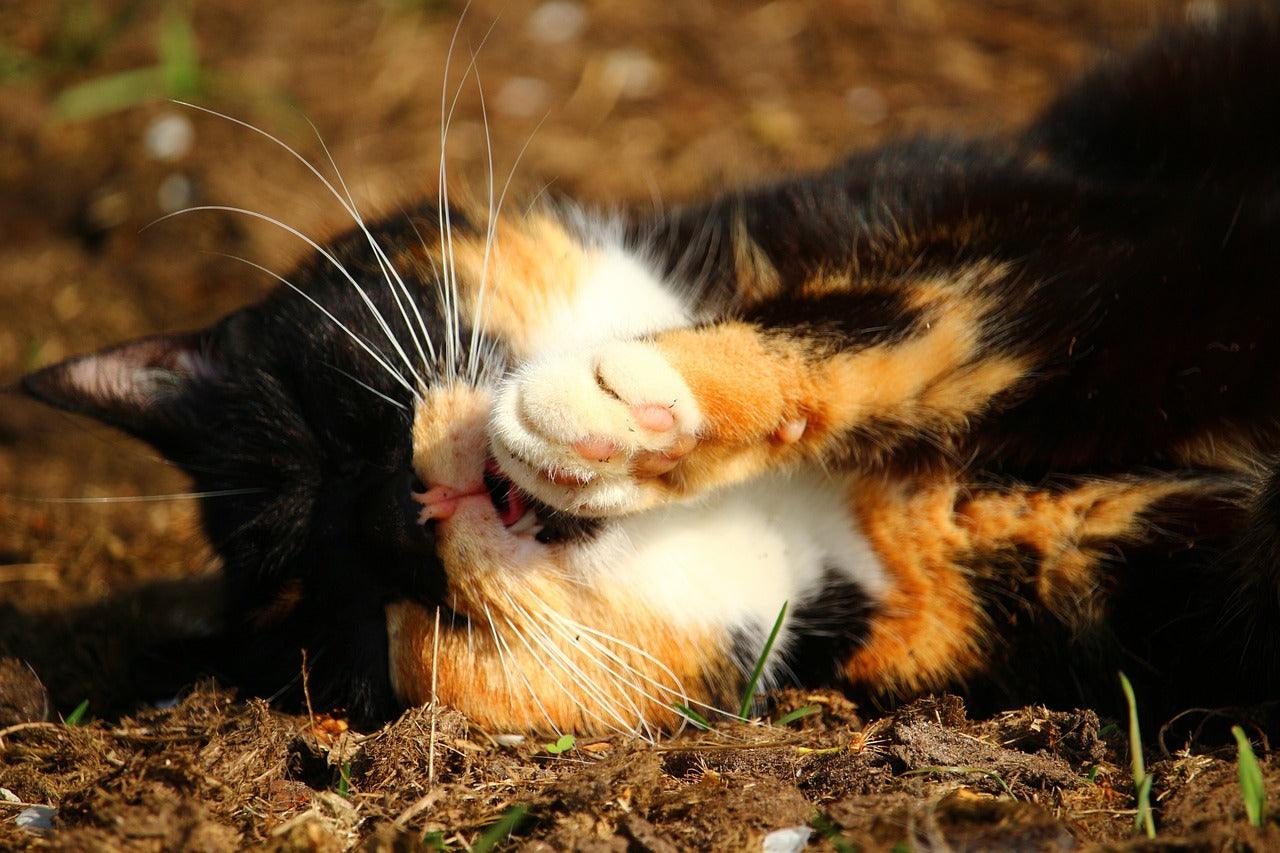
(932, 629)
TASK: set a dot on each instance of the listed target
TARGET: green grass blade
(797, 714)
(1252, 788)
(692, 716)
(344, 780)
(1144, 820)
(179, 58)
(76, 717)
(501, 831)
(110, 94)
(564, 744)
(750, 694)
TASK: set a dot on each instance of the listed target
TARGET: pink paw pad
(596, 449)
(653, 416)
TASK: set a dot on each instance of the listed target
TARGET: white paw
(583, 430)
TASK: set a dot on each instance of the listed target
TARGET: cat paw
(589, 433)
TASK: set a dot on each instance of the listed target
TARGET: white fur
(730, 560)
(618, 296)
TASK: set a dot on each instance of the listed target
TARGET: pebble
(169, 137)
(36, 818)
(790, 840)
(176, 192)
(630, 72)
(522, 97)
(557, 22)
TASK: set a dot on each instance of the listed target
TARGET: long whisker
(384, 263)
(366, 386)
(348, 205)
(358, 340)
(574, 671)
(489, 231)
(570, 694)
(127, 499)
(576, 641)
(495, 213)
(395, 343)
(533, 694)
(446, 121)
(443, 217)
(618, 675)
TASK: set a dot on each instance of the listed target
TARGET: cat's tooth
(527, 522)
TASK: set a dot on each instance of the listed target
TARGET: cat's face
(345, 429)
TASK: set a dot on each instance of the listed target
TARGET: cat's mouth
(515, 508)
(523, 514)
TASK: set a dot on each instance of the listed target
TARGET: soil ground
(620, 103)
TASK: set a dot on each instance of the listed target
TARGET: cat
(997, 415)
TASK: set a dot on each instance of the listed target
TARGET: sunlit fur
(993, 415)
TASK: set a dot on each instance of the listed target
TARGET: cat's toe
(582, 431)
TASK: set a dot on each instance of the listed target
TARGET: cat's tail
(1198, 105)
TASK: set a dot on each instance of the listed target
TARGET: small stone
(522, 97)
(176, 192)
(790, 840)
(630, 73)
(36, 818)
(169, 137)
(557, 22)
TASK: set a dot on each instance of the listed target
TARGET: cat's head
(323, 424)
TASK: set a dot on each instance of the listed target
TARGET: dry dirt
(640, 103)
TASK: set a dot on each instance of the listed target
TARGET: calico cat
(996, 414)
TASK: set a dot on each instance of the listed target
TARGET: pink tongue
(516, 506)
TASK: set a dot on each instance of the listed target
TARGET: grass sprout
(1252, 788)
(76, 717)
(749, 695)
(1144, 820)
(797, 714)
(564, 744)
(177, 73)
(692, 716)
(501, 830)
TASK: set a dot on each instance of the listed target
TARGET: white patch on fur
(730, 560)
(618, 296)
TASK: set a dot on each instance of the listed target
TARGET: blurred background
(619, 102)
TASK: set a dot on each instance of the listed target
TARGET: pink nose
(440, 502)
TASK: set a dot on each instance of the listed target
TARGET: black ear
(147, 387)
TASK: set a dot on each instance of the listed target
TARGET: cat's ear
(147, 387)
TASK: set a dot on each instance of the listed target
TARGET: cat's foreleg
(627, 425)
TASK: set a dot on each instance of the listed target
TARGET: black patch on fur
(846, 321)
(826, 630)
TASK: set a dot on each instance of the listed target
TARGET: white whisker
(366, 386)
(358, 340)
(348, 205)
(595, 691)
(127, 499)
(384, 263)
(395, 343)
